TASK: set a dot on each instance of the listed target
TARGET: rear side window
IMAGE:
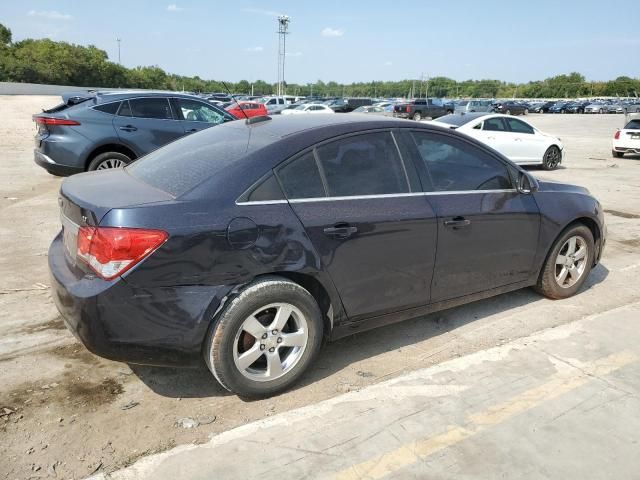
(267, 189)
(151, 108)
(110, 108)
(300, 178)
(454, 165)
(125, 109)
(494, 125)
(366, 164)
(633, 125)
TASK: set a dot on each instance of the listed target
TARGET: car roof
(112, 96)
(283, 126)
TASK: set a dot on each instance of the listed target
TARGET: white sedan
(627, 140)
(516, 139)
(308, 108)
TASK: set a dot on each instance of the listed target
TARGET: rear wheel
(551, 158)
(508, 112)
(265, 338)
(617, 154)
(417, 116)
(109, 160)
(568, 263)
(526, 111)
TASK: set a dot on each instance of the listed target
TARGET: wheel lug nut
(272, 349)
(262, 347)
(274, 332)
(279, 339)
(264, 336)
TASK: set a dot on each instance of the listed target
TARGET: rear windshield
(633, 125)
(180, 166)
(457, 120)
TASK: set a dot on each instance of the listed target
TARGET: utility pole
(119, 40)
(283, 31)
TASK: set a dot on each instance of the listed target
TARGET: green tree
(5, 35)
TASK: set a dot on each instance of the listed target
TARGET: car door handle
(192, 130)
(457, 222)
(129, 128)
(518, 139)
(491, 138)
(340, 230)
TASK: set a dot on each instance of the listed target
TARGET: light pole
(283, 31)
(119, 40)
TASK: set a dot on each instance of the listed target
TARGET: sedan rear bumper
(115, 320)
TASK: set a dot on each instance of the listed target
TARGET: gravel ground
(67, 413)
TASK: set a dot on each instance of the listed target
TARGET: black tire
(601, 111)
(449, 112)
(617, 154)
(547, 284)
(508, 112)
(102, 161)
(551, 158)
(417, 116)
(219, 344)
(526, 111)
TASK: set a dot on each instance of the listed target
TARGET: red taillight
(408, 109)
(112, 251)
(55, 121)
(617, 135)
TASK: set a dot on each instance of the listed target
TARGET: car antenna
(237, 103)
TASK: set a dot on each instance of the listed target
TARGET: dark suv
(98, 130)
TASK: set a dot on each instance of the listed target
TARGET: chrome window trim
(368, 197)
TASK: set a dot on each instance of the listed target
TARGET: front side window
(518, 126)
(194, 111)
(151, 108)
(366, 164)
(454, 165)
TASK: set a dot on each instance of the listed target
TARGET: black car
(546, 106)
(511, 108)
(100, 130)
(286, 231)
(577, 107)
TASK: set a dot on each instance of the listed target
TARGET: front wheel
(526, 111)
(109, 160)
(551, 158)
(265, 338)
(568, 263)
(508, 112)
(417, 116)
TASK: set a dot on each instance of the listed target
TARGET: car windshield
(456, 119)
(633, 125)
(165, 169)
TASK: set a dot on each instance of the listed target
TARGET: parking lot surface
(69, 414)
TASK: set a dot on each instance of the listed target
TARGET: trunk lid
(87, 197)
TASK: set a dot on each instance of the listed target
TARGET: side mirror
(526, 183)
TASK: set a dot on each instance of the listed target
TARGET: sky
(349, 41)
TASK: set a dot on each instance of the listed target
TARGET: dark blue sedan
(247, 244)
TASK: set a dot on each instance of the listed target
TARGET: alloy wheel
(111, 163)
(552, 158)
(270, 342)
(571, 261)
